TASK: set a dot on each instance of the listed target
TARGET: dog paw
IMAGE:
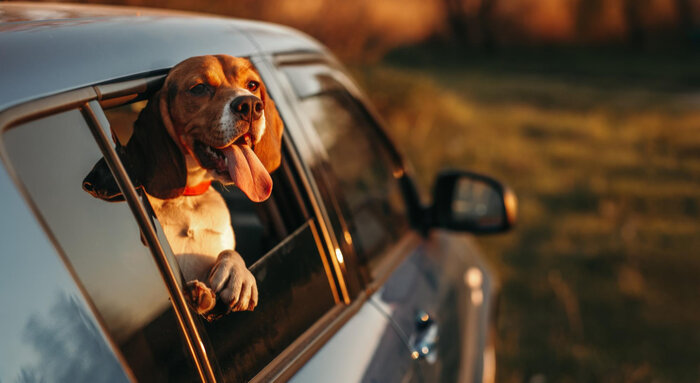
(234, 283)
(200, 296)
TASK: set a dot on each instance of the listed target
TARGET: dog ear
(268, 149)
(100, 183)
(151, 157)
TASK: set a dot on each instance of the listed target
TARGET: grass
(601, 279)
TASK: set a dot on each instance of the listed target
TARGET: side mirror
(471, 202)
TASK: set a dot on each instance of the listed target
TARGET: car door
(441, 299)
(433, 289)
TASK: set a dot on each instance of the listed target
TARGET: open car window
(280, 244)
(123, 276)
(258, 227)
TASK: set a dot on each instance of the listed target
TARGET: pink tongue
(248, 173)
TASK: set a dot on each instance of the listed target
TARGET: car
(359, 279)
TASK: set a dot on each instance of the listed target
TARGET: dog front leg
(234, 283)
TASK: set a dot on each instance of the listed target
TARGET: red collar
(197, 189)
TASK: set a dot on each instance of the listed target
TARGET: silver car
(358, 279)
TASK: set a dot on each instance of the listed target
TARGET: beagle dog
(211, 121)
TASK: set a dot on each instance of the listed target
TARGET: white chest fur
(198, 228)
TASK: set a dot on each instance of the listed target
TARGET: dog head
(212, 116)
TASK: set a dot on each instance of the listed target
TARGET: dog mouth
(238, 163)
(214, 159)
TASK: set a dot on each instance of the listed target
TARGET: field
(601, 279)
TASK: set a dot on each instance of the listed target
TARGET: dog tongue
(248, 173)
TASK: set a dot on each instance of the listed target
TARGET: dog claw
(200, 296)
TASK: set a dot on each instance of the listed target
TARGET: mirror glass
(476, 203)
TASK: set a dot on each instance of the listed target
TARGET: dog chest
(195, 224)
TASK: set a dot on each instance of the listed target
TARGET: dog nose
(247, 107)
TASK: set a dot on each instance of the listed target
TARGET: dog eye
(253, 85)
(198, 89)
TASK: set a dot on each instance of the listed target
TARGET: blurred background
(590, 110)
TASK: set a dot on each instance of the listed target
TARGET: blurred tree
(471, 22)
(685, 19)
(588, 13)
(365, 30)
(459, 20)
(486, 23)
(636, 34)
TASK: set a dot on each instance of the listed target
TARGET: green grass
(601, 278)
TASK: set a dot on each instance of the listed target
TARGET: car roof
(50, 48)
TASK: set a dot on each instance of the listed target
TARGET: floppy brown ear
(100, 183)
(151, 157)
(268, 149)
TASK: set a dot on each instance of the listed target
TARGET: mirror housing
(470, 202)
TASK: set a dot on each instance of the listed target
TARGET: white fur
(259, 128)
(227, 120)
(198, 236)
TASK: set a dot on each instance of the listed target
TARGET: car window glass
(280, 245)
(361, 166)
(102, 242)
(362, 169)
(48, 331)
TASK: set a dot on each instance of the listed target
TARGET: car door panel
(366, 349)
(443, 278)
